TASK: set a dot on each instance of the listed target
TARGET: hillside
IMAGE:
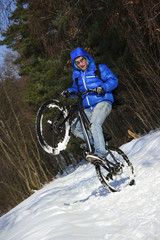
(76, 206)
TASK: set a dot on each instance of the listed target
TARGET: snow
(77, 207)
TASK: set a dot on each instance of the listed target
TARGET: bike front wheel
(51, 127)
(119, 173)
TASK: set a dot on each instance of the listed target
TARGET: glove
(65, 93)
(99, 90)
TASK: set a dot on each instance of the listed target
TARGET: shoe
(95, 158)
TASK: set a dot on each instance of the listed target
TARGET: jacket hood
(81, 52)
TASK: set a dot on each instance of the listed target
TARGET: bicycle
(53, 125)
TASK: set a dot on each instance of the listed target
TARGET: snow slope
(77, 207)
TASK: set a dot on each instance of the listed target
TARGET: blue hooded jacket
(88, 80)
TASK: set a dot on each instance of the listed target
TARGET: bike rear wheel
(52, 131)
(121, 176)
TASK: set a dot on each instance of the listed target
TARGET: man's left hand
(99, 90)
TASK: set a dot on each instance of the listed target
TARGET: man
(97, 105)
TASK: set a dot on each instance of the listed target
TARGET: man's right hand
(65, 93)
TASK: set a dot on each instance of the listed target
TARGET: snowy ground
(77, 207)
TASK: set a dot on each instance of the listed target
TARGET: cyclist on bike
(97, 105)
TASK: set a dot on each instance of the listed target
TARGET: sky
(4, 4)
(3, 50)
(76, 206)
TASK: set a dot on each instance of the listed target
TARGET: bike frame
(85, 124)
(84, 121)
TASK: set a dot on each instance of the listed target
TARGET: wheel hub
(56, 128)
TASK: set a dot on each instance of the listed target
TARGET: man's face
(81, 62)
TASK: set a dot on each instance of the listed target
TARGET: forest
(123, 34)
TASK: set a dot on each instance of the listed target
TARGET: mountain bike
(53, 128)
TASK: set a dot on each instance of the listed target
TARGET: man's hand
(65, 94)
(99, 90)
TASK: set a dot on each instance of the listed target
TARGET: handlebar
(79, 94)
(82, 93)
(89, 90)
